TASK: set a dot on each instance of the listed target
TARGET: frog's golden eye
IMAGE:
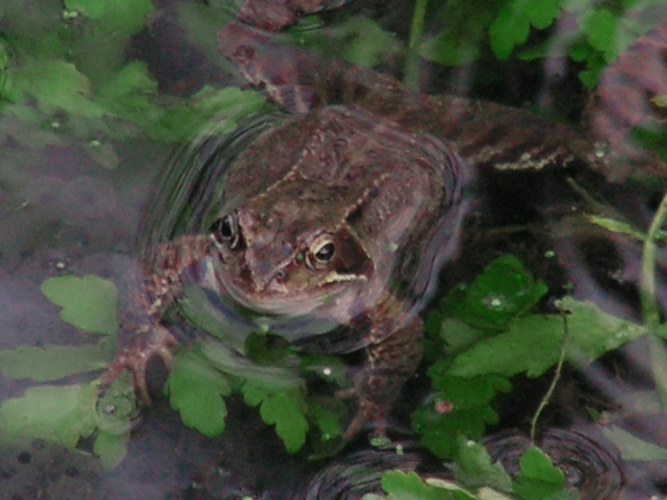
(321, 253)
(225, 230)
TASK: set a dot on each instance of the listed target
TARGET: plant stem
(546, 399)
(649, 304)
(411, 76)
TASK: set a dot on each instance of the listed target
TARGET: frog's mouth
(275, 297)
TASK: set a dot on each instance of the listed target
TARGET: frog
(348, 231)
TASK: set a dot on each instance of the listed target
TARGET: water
(79, 168)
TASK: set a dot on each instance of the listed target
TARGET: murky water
(93, 135)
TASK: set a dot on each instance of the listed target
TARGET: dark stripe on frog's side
(486, 134)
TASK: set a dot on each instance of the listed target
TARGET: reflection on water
(77, 166)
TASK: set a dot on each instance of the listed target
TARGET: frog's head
(290, 256)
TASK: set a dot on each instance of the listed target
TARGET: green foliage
(52, 362)
(65, 414)
(73, 82)
(358, 40)
(473, 467)
(61, 414)
(408, 485)
(476, 478)
(281, 406)
(197, 391)
(540, 479)
(271, 383)
(490, 344)
(503, 291)
(470, 402)
(513, 23)
(633, 448)
(593, 33)
(89, 302)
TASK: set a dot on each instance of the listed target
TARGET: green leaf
(633, 448)
(115, 412)
(89, 303)
(532, 344)
(327, 414)
(503, 291)
(60, 414)
(197, 391)
(473, 467)
(89, 8)
(332, 369)
(508, 30)
(283, 408)
(601, 29)
(512, 25)
(266, 349)
(466, 25)
(359, 40)
(111, 448)
(409, 486)
(617, 226)
(52, 362)
(438, 431)
(123, 18)
(540, 479)
(56, 85)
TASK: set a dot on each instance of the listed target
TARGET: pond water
(114, 120)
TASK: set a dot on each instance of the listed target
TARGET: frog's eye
(225, 230)
(321, 253)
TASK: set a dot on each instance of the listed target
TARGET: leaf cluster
(589, 32)
(67, 413)
(74, 81)
(476, 478)
(488, 335)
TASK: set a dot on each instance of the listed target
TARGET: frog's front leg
(391, 361)
(143, 335)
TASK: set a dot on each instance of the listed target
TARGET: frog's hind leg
(390, 363)
(148, 342)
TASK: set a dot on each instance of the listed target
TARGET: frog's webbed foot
(148, 342)
(368, 412)
(391, 362)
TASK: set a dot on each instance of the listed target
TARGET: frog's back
(398, 193)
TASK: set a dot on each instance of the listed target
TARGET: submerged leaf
(89, 303)
(532, 344)
(60, 414)
(504, 290)
(633, 448)
(540, 479)
(197, 391)
(284, 408)
(52, 362)
(409, 486)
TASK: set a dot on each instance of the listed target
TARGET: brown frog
(344, 214)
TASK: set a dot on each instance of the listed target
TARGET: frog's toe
(135, 358)
(371, 414)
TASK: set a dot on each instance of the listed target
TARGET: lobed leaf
(60, 414)
(532, 344)
(52, 362)
(89, 302)
(196, 390)
(283, 408)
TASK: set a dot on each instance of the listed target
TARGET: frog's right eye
(225, 230)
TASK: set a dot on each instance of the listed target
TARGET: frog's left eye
(226, 230)
(321, 252)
